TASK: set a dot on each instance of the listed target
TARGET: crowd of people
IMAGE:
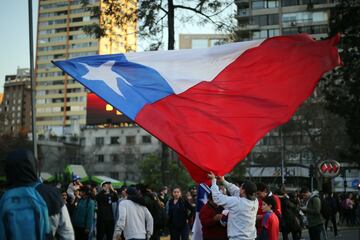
(232, 211)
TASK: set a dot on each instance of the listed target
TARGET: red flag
(210, 105)
(214, 125)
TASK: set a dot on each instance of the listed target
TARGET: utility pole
(311, 175)
(282, 156)
(32, 81)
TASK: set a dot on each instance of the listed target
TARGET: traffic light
(311, 171)
(358, 186)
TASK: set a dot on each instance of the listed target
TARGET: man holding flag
(242, 206)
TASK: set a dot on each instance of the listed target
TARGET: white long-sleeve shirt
(61, 225)
(242, 211)
(134, 220)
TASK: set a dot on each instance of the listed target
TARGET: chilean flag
(210, 105)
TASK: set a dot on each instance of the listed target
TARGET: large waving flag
(210, 105)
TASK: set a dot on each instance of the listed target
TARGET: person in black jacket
(20, 171)
(105, 223)
(179, 211)
(152, 203)
(329, 209)
(289, 222)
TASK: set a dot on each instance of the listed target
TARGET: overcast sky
(14, 41)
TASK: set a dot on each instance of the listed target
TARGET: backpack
(263, 232)
(24, 214)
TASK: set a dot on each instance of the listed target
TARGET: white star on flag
(105, 73)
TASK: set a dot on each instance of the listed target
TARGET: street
(344, 234)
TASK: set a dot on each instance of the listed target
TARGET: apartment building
(259, 19)
(191, 41)
(16, 103)
(60, 101)
(116, 151)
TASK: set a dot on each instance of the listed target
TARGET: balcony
(243, 13)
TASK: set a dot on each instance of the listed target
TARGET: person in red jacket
(269, 228)
(211, 220)
(262, 192)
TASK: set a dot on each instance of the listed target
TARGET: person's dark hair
(123, 188)
(250, 188)
(282, 190)
(176, 188)
(85, 189)
(304, 190)
(262, 187)
(269, 200)
(132, 191)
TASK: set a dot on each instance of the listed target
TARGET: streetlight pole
(282, 156)
(32, 81)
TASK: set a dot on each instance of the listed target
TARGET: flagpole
(32, 81)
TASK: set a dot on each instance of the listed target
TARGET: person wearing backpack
(269, 228)
(29, 209)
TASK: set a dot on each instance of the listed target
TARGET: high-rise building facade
(191, 41)
(259, 19)
(60, 101)
(16, 105)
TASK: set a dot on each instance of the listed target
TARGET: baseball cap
(75, 177)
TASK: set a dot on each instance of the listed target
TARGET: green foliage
(238, 173)
(154, 16)
(342, 86)
(152, 175)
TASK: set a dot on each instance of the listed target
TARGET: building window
(289, 2)
(259, 4)
(199, 43)
(115, 158)
(99, 141)
(130, 140)
(114, 140)
(146, 139)
(264, 20)
(114, 175)
(100, 158)
(306, 157)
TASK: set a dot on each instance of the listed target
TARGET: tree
(152, 174)
(342, 86)
(153, 16)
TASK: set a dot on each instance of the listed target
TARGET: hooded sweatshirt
(135, 220)
(313, 210)
(20, 171)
